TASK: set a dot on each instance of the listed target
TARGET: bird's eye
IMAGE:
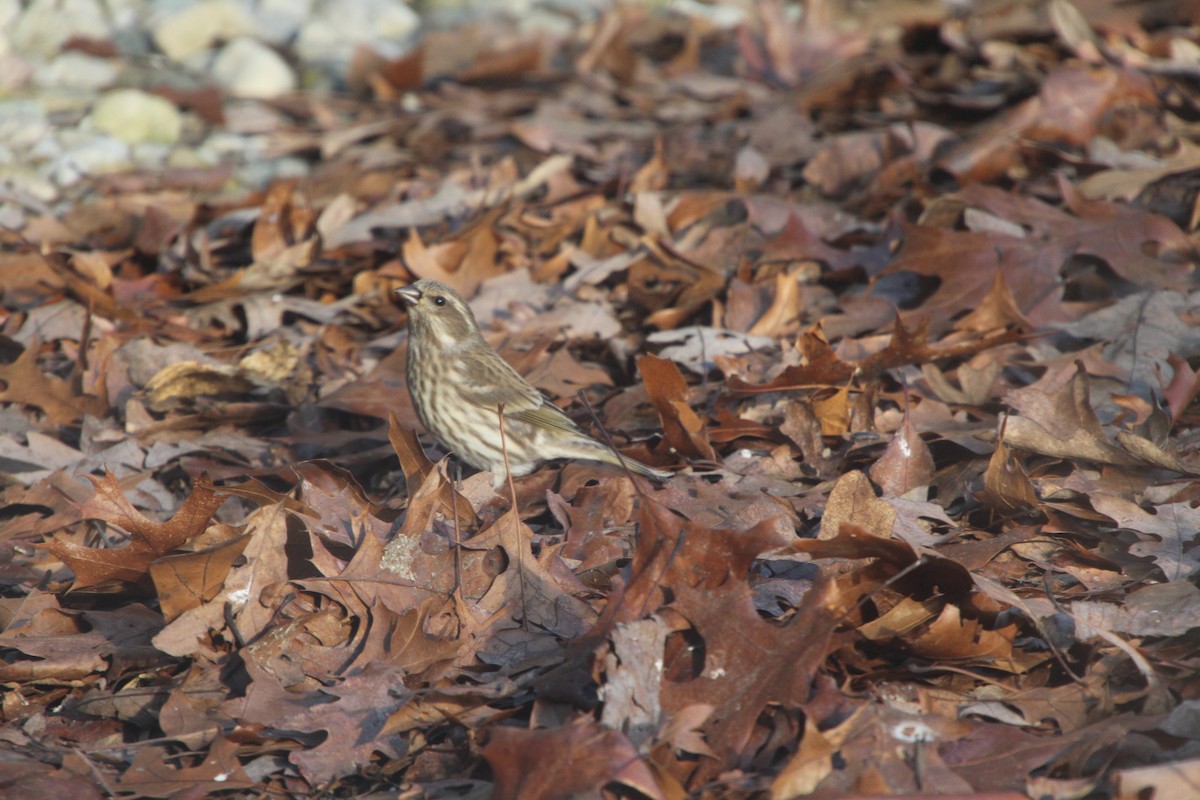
(439, 301)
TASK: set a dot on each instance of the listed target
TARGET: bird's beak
(411, 295)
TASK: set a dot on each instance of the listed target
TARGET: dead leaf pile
(906, 296)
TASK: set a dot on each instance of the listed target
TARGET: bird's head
(438, 314)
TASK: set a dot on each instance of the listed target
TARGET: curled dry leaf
(683, 430)
(147, 539)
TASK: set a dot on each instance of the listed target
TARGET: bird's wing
(500, 383)
(495, 382)
(547, 416)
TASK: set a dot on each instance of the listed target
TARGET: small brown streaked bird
(458, 383)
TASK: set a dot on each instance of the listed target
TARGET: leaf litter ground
(906, 299)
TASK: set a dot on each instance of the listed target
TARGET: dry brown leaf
(148, 539)
(571, 759)
(683, 430)
(26, 383)
(1006, 486)
(188, 580)
(853, 499)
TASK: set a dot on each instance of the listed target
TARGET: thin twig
(889, 582)
(608, 440)
(677, 547)
(1047, 637)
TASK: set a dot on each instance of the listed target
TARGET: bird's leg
(512, 491)
(455, 492)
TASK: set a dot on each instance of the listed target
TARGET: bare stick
(608, 441)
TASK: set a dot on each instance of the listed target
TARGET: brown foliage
(905, 298)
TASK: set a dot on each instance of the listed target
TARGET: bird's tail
(642, 469)
(598, 452)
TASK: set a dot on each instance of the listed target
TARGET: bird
(459, 384)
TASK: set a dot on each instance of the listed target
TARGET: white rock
(127, 13)
(98, 154)
(248, 68)
(221, 145)
(75, 70)
(134, 116)
(23, 123)
(259, 173)
(280, 20)
(48, 147)
(150, 155)
(336, 27)
(15, 72)
(9, 9)
(12, 216)
(46, 24)
(33, 187)
(721, 15)
(189, 158)
(195, 28)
